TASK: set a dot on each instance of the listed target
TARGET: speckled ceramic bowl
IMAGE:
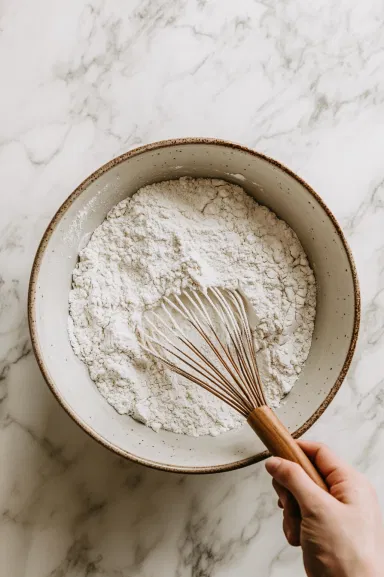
(271, 184)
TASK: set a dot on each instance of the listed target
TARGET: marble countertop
(83, 82)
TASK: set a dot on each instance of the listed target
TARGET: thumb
(308, 495)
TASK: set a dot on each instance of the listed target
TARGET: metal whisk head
(223, 361)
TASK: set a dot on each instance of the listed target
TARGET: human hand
(341, 532)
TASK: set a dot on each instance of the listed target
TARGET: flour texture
(174, 235)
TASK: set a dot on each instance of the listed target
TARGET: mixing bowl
(271, 184)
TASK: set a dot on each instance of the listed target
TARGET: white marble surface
(82, 82)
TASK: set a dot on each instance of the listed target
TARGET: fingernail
(272, 465)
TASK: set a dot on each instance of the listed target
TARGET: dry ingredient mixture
(187, 233)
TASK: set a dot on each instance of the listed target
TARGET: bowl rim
(35, 273)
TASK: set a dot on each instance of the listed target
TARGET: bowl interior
(337, 299)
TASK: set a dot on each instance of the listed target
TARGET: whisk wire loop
(214, 376)
(200, 326)
(239, 384)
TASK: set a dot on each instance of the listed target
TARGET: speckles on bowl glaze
(175, 149)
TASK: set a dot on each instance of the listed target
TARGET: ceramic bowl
(271, 184)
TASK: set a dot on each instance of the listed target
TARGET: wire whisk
(208, 339)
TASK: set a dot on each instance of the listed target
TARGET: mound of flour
(179, 234)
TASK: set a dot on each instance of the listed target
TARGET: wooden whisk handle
(280, 442)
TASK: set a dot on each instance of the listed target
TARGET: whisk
(226, 363)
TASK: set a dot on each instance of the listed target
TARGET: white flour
(179, 234)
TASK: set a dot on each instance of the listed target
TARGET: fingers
(325, 460)
(282, 493)
(292, 517)
(291, 476)
(286, 500)
(340, 477)
(292, 530)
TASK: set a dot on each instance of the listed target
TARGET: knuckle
(362, 489)
(322, 452)
(321, 446)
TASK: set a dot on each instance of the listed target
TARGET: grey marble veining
(81, 83)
